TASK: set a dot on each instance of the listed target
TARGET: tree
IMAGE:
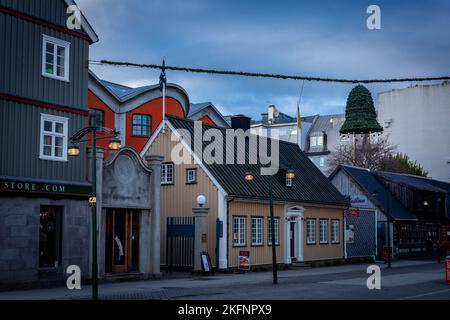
(376, 155)
(401, 163)
(370, 154)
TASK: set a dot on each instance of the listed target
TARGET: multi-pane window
(55, 58)
(320, 141)
(269, 232)
(50, 242)
(257, 231)
(167, 173)
(191, 175)
(141, 125)
(98, 117)
(53, 138)
(239, 232)
(311, 231)
(323, 226)
(334, 231)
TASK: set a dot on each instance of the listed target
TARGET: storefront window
(50, 241)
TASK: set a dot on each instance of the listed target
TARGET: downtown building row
(48, 94)
(45, 220)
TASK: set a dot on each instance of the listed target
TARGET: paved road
(406, 280)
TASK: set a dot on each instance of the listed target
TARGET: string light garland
(264, 75)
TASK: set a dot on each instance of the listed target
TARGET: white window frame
(335, 231)
(257, 231)
(57, 43)
(164, 170)
(322, 162)
(277, 232)
(191, 180)
(320, 141)
(288, 181)
(239, 231)
(54, 119)
(323, 231)
(311, 231)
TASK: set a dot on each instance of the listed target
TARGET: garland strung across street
(263, 75)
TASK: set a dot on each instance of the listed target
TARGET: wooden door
(122, 240)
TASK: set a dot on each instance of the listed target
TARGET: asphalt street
(406, 280)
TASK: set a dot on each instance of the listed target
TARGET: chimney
(271, 113)
(240, 121)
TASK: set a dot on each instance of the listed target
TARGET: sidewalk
(178, 287)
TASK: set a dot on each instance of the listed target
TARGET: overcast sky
(312, 38)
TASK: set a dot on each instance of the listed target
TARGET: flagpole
(164, 104)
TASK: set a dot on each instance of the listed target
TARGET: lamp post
(249, 177)
(74, 150)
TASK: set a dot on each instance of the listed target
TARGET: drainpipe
(229, 200)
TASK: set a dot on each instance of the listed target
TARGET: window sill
(168, 184)
(324, 243)
(239, 245)
(195, 182)
(137, 136)
(311, 243)
(52, 159)
(45, 75)
(256, 245)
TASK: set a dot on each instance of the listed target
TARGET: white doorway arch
(294, 234)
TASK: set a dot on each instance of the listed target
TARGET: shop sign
(352, 212)
(38, 187)
(359, 200)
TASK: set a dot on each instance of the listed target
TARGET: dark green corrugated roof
(309, 185)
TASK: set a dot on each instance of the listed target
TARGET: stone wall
(19, 240)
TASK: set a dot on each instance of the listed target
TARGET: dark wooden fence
(180, 243)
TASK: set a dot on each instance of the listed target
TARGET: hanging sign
(92, 201)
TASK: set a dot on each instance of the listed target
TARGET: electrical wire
(264, 75)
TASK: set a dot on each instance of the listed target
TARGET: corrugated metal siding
(259, 255)
(178, 200)
(53, 11)
(21, 64)
(20, 140)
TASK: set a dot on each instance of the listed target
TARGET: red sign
(352, 212)
(447, 269)
(244, 260)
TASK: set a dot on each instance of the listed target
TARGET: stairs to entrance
(299, 265)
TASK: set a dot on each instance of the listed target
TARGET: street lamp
(74, 150)
(290, 174)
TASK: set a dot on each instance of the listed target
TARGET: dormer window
(320, 141)
(313, 141)
(288, 181)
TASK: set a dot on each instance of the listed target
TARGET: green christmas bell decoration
(360, 115)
